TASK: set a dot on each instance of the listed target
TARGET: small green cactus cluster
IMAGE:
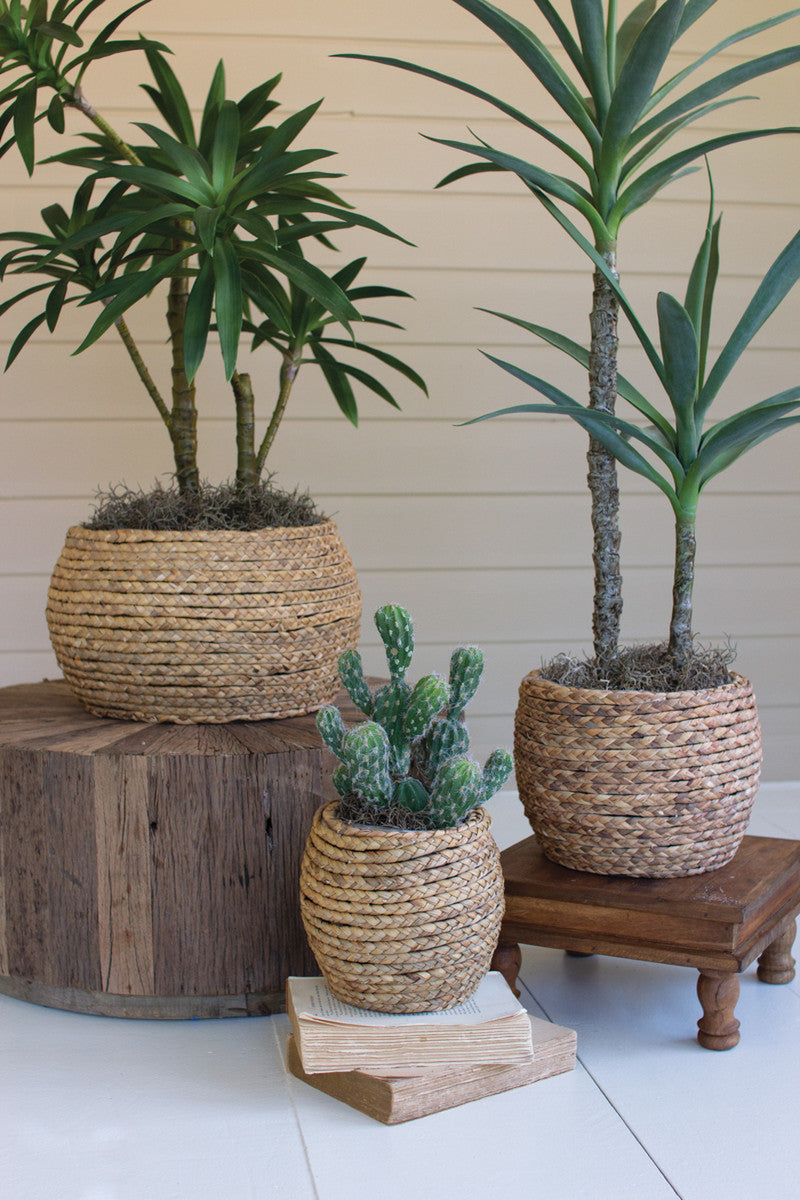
(410, 756)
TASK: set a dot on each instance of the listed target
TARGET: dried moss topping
(211, 506)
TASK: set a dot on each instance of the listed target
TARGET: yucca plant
(623, 112)
(221, 213)
(680, 454)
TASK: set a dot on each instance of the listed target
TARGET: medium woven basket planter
(637, 783)
(401, 920)
(203, 626)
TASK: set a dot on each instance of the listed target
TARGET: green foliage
(447, 735)
(624, 107)
(611, 91)
(36, 56)
(222, 214)
(677, 452)
(410, 757)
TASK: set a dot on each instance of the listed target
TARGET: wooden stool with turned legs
(718, 922)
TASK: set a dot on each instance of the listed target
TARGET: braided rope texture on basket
(203, 626)
(637, 783)
(401, 921)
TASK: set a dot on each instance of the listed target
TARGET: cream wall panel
(489, 532)
(329, 457)
(481, 531)
(100, 385)
(525, 603)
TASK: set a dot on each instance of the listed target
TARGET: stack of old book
(396, 1067)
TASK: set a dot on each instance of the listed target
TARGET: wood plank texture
(151, 870)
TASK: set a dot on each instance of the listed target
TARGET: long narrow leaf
(267, 295)
(228, 304)
(23, 337)
(591, 26)
(133, 289)
(730, 456)
(679, 351)
(652, 180)
(24, 121)
(581, 355)
(337, 381)
(774, 287)
(693, 11)
(731, 40)
(668, 132)
(198, 318)
(305, 276)
(630, 29)
(388, 360)
(603, 268)
(226, 146)
(637, 80)
(509, 110)
(554, 185)
(564, 36)
(467, 170)
(23, 295)
(746, 430)
(719, 86)
(176, 106)
(187, 160)
(539, 61)
(369, 381)
(601, 426)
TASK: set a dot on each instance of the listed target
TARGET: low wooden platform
(719, 922)
(152, 870)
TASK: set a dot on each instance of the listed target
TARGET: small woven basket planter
(637, 783)
(203, 626)
(401, 920)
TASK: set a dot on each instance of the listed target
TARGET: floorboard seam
(278, 1040)
(608, 1100)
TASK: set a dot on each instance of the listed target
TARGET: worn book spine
(392, 1099)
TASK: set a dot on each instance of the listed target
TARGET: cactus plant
(408, 762)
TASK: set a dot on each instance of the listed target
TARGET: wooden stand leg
(507, 960)
(776, 964)
(718, 1028)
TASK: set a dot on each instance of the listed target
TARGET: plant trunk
(183, 429)
(602, 477)
(289, 370)
(247, 472)
(680, 626)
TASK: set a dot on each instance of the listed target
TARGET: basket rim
(275, 532)
(326, 814)
(626, 698)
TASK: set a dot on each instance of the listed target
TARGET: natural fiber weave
(401, 920)
(637, 783)
(204, 625)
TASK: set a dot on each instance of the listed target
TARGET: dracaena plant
(623, 107)
(679, 452)
(220, 213)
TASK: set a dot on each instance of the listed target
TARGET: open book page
(492, 1001)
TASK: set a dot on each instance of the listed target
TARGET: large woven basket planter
(637, 783)
(203, 626)
(399, 920)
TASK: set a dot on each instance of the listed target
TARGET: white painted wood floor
(93, 1108)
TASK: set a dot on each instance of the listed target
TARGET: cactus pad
(409, 761)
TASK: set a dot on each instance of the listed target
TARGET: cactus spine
(411, 753)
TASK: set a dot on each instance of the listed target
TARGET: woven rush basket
(203, 626)
(637, 783)
(401, 921)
